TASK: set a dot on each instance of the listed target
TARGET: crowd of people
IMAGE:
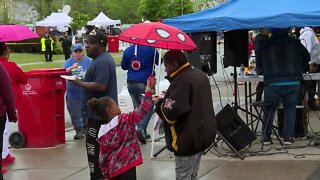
(112, 137)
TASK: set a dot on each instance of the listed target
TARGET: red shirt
(16, 75)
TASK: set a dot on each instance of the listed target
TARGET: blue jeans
(136, 90)
(74, 109)
(273, 95)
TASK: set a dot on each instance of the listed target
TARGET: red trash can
(41, 114)
(113, 44)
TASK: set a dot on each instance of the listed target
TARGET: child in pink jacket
(119, 145)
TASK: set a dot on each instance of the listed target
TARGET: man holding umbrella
(139, 61)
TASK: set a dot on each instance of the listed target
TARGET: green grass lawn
(37, 61)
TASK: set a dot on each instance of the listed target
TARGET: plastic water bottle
(75, 72)
(81, 72)
(242, 71)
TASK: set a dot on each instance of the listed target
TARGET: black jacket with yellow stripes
(187, 110)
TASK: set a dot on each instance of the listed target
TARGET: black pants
(259, 91)
(128, 175)
(48, 54)
(66, 54)
(2, 124)
(93, 148)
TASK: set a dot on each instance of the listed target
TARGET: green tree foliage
(5, 11)
(45, 7)
(180, 7)
(79, 20)
(129, 11)
(204, 4)
(126, 10)
(89, 7)
(152, 10)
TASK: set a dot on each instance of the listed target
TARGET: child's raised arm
(146, 103)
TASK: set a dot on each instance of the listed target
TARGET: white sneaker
(266, 143)
(288, 143)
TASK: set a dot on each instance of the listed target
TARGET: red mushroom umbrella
(15, 32)
(159, 35)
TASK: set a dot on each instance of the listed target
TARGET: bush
(33, 46)
(57, 47)
(27, 46)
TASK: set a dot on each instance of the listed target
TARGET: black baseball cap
(97, 36)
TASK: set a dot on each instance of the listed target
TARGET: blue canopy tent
(250, 14)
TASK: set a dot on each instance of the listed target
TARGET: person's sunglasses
(78, 51)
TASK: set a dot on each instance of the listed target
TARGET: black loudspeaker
(301, 126)
(236, 48)
(205, 57)
(233, 129)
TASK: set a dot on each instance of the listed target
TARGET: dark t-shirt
(101, 70)
(66, 43)
(48, 44)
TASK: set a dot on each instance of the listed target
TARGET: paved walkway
(68, 161)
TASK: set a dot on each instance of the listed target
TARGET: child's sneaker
(8, 160)
(3, 170)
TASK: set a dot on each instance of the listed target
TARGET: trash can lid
(46, 72)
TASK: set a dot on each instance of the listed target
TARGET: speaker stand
(160, 151)
(214, 144)
(236, 106)
(228, 144)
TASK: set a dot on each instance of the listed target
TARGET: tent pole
(157, 94)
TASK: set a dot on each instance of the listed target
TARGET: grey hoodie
(309, 40)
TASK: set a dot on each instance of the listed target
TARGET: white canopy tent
(56, 19)
(103, 20)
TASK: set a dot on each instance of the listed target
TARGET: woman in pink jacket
(119, 145)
